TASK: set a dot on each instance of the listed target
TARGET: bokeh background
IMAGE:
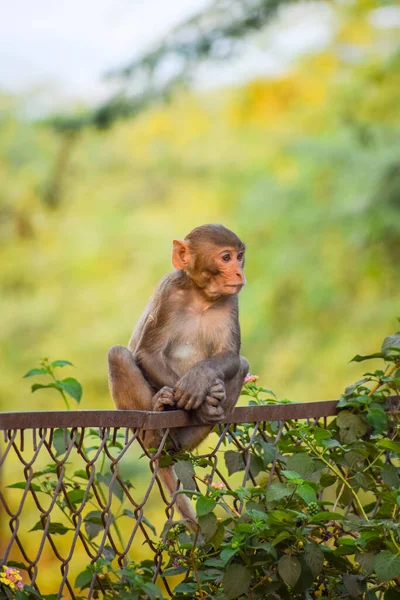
(278, 119)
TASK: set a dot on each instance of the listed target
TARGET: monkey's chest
(193, 339)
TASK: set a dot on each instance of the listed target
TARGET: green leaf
(390, 475)
(204, 505)
(392, 594)
(302, 464)
(389, 445)
(149, 525)
(256, 464)
(76, 496)
(166, 461)
(84, 579)
(59, 440)
(30, 591)
(392, 342)
(326, 515)
(289, 569)
(321, 434)
(185, 588)
(355, 460)
(40, 386)
(54, 528)
(17, 565)
(72, 387)
(378, 419)
(218, 536)
(116, 489)
(327, 480)
(268, 452)
(352, 585)
(151, 590)
(93, 524)
(387, 566)
(171, 571)
(291, 475)
(21, 485)
(366, 561)
(364, 480)
(360, 358)
(108, 553)
(314, 558)
(34, 372)
(351, 427)
(329, 443)
(185, 472)
(227, 554)
(81, 473)
(208, 525)
(307, 493)
(352, 388)
(61, 363)
(234, 461)
(276, 491)
(236, 581)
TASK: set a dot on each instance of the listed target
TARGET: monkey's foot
(216, 393)
(210, 411)
(163, 399)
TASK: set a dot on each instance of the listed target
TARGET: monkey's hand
(163, 399)
(211, 410)
(193, 388)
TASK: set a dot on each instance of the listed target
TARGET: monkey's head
(213, 257)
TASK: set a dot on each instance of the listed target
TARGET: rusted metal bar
(160, 420)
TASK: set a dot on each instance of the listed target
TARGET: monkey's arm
(191, 390)
(148, 340)
(155, 369)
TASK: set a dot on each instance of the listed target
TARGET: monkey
(184, 352)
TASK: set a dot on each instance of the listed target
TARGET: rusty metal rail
(79, 486)
(155, 420)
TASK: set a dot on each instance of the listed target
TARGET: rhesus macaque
(184, 352)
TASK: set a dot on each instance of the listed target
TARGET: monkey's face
(220, 273)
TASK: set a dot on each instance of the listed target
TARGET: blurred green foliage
(304, 167)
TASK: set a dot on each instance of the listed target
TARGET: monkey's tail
(170, 481)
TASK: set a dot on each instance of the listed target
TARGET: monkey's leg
(234, 386)
(129, 388)
(131, 391)
(222, 396)
(190, 437)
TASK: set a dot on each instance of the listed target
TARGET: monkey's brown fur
(185, 350)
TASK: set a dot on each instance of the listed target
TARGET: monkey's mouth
(235, 286)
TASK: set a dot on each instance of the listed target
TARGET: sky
(59, 51)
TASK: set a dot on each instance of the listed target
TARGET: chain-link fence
(80, 486)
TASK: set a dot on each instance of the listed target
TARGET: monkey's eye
(226, 257)
(240, 255)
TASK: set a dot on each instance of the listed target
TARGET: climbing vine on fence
(318, 516)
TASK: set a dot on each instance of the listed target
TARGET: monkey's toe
(164, 398)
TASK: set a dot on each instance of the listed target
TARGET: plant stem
(338, 474)
(51, 373)
(374, 461)
(380, 383)
(193, 562)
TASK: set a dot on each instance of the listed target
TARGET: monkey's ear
(181, 258)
